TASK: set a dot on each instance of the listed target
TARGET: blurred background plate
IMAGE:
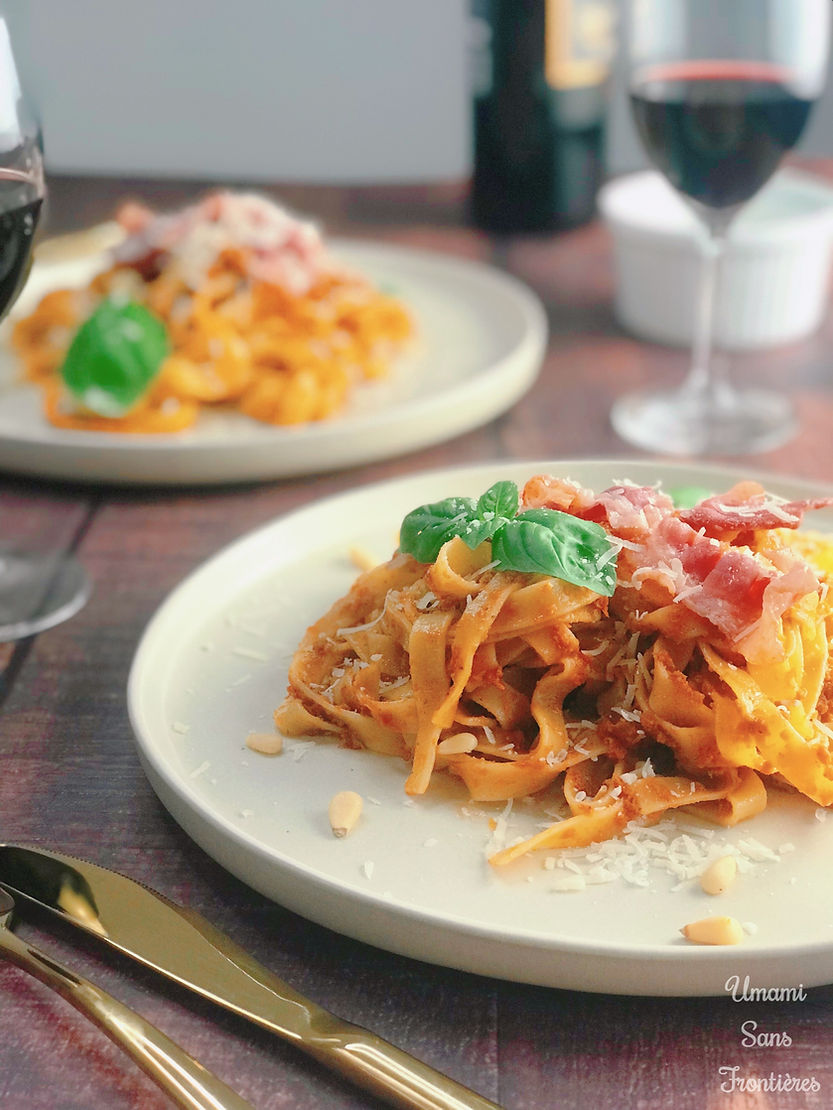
(480, 341)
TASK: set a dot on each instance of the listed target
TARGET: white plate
(413, 878)
(480, 340)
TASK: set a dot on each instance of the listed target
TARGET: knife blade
(182, 945)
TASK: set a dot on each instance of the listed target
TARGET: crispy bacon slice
(630, 512)
(748, 507)
(731, 595)
(689, 553)
(724, 585)
(737, 591)
(543, 491)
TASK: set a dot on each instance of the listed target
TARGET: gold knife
(181, 944)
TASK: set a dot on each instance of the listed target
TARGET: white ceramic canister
(774, 283)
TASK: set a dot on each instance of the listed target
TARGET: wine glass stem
(706, 381)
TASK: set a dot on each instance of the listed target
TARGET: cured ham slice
(747, 507)
(741, 593)
(689, 552)
(543, 491)
(630, 512)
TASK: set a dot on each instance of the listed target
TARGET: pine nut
(267, 743)
(714, 930)
(719, 875)
(458, 744)
(344, 811)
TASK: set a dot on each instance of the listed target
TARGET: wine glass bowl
(717, 129)
(719, 94)
(21, 198)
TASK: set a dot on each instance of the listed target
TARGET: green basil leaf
(494, 508)
(686, 497)
(426, 529)
(545, 541)
(479, 530)
(501, 499)
(114, 356)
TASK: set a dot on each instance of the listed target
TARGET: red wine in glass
(718, 130)
(20, 206)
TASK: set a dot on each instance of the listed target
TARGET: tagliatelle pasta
(260, 320)
(701, 681)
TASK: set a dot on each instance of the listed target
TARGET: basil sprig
(426, 529)
(536, 541)
(114, 356)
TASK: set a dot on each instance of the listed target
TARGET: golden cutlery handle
(182, 1077)
(392, 1074)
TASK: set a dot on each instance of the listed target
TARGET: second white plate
(413, 876)
(480, 341)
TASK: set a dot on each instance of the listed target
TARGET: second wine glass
(719, 91)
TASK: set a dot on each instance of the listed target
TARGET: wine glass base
(679, 423)
(38, 590)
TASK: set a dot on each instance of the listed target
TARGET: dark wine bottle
(539, 84)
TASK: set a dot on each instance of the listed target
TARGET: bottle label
(578, 43)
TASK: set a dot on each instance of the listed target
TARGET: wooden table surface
(71, 779)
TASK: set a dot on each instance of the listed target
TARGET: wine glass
(720, 89)
(38, 588)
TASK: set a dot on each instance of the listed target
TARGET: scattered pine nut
(714, 930)
(719, 875)
(344, 811)
(458, 744)
(267, 743)
(363, 557)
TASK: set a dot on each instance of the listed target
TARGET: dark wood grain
(70, 776)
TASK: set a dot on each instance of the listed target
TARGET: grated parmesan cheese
(679, 849)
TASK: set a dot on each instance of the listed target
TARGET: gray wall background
(259, 90)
